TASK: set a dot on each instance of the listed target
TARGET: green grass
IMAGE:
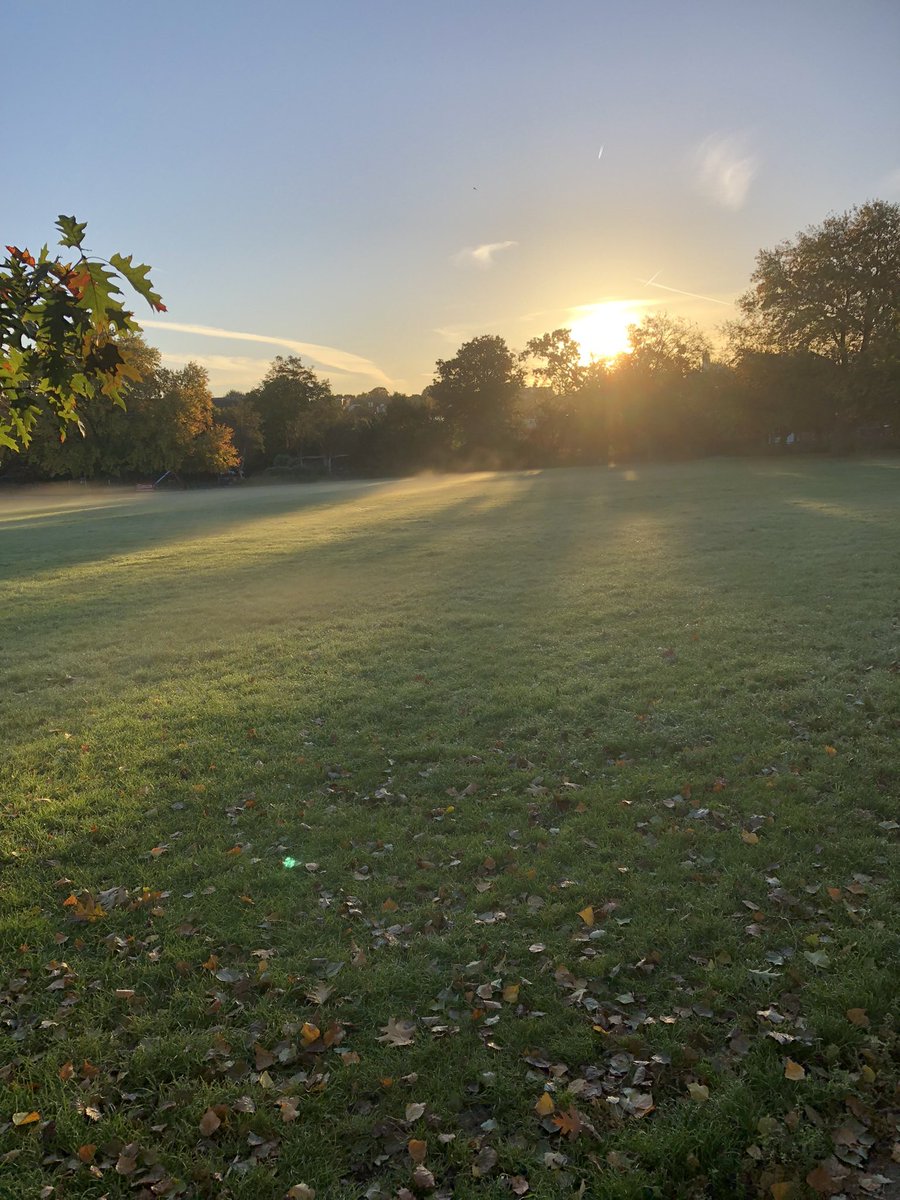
(478, 706)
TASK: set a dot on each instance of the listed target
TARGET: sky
(371, 183)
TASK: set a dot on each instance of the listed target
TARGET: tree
(474, 394)
(655, 413)
(296, 408)
(665, 345)
(560, 358)
(237, 412)
(60, 329)
(834, 292)
(168, 425)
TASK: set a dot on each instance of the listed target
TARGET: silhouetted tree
(474, 394)
(296, 408)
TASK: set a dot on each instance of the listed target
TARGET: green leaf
(72, 231)
(137, 275)
(100, 293)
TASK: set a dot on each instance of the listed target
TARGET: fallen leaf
(87, 1151)
(568, 1123)
(830, 751)
(417, 1150)
(858, 1016)
(413, 1112)
(390, 905)
(300, 1191)
(423, 1179)
(485, 1162)
(749, 837)
(587, 915)
(511, 993)
(518, 1185)
(288, 1106)
(25, 1118)
(698, 1091)
(545, 1105)
(66, 1071)
(209, 1123)
(793, 1070)
(310, 1033)
(398, 1032)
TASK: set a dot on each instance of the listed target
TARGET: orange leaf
(235, 850)
(25, 1118)
(511, 993)
(66, 1071)
(310, 1033)
(417, 1150)
(569, 1123)
(545, 1105)
(793, 1070)
(390, 905)
(830, 751)
(87, 1152)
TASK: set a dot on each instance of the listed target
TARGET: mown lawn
(484, 836)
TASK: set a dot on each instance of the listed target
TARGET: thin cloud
(482, 256)
(330, 357)
(725, 170)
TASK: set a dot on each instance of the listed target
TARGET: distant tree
(654, 413)
(569, 421)
(398, 436)
(474, 394)
(555, 360)
(665, 345)
(834, 292)
(168, 424)
(296, 409)
(61, 327)
(239, 414)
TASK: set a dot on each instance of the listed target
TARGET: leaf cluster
(61, 322)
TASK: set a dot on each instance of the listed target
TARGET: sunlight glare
(601, 330)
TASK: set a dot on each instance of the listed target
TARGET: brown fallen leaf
(793, 1070)
(310, 1033)
(66, 1071)
(518, 1185)
(300, 1191)
(423, 1179)
(390, 905)
(209, 1123)
(87, 1151)
(568, 1123)
(398, 1032)
(288, 1106)
(417, 1150)
(858, 1016)
(749, 838)
(485, 1162)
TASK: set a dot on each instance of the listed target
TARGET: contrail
(680, 292)
(328, 356)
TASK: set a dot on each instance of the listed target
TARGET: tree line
(812, 360)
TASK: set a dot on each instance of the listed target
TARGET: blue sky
(371, 182)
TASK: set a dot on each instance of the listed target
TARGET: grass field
(485, 836)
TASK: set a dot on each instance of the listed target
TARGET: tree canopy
(474, 394)
(61, 329)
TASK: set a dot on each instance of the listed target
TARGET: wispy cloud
(340, 361)
(481, 256)
(725, 169)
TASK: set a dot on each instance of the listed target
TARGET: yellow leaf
(390, 905)
(782, 1191)
(830, 751)
(749, 837)
(858, 1016)
(310, 1033)
(587, 915)
(25, 1118)
(511, 993)
(793, 1070)
(545, 1105)
(698, 1091)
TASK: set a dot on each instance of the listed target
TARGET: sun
(601, 330)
